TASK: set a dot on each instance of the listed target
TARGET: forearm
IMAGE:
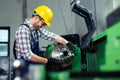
(38, 59)
(61, 40)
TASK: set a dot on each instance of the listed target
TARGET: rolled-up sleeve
(48, 35)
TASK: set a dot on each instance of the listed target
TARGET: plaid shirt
(23, 39)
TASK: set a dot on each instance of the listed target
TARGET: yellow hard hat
(44, 12)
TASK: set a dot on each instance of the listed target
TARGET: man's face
(40, 23)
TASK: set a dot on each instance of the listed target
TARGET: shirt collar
(30, 25)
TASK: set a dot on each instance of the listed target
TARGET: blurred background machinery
(107, 46)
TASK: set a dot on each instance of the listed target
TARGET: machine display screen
(3, 49)
(3, 42)
(3, 35)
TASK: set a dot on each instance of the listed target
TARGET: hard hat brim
(48, 24)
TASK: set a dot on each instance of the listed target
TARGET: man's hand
(70, 46)
(54, 62)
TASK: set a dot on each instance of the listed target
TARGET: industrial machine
(73, 60)
(99, 54)
(85, 40)
(68, 57)
(107, 44)
(92, 56)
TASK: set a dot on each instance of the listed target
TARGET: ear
(36, 17)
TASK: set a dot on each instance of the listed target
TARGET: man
(26, 44)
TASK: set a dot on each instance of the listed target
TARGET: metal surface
(62, 53)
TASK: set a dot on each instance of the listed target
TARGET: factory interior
(91, 27)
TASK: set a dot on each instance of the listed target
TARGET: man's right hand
(70, 46)
(54, 62)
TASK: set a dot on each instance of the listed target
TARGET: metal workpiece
(70, 59)
(62, 53)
